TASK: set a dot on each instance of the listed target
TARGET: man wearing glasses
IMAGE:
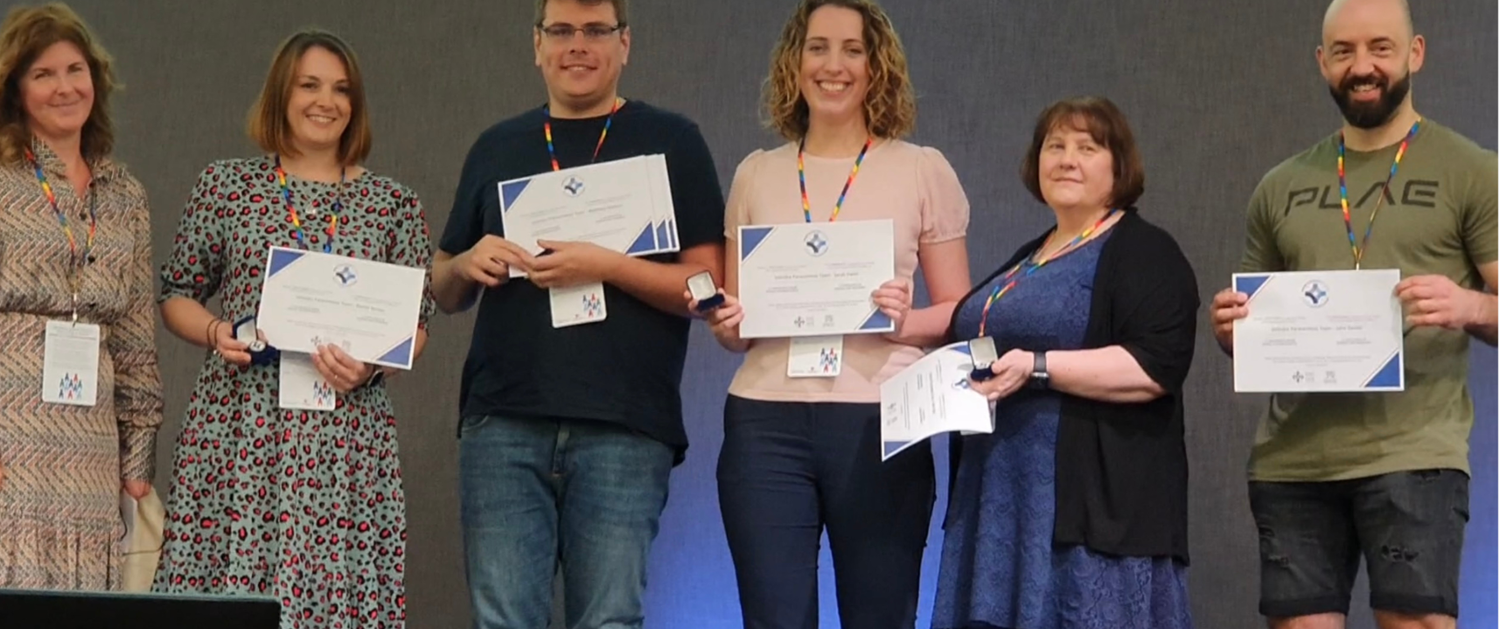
(568, 433)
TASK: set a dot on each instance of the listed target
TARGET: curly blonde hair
(25, 35)
(889, 105)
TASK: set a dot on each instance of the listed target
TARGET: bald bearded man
(1337, 476)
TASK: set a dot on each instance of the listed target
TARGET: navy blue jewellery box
(28, 609)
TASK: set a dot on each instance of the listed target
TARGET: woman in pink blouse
(801, 454)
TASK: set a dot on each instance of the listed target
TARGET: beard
(1373, 114)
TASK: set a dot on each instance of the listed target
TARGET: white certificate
(814, 279)
(369, 309)
(931, 397)
(1319, 331)
(623, 205)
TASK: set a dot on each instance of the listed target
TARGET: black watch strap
(1039, 376)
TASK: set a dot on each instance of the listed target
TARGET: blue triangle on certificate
(876, 321)
(398, 355)
(663, 235)
(645, 241)
(752, 237)
(281, 258)
(510, 192)
(962, 349)
(890, 447)
(1251, 284)
(1389, 376)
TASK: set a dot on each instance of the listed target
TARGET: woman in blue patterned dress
(1072, 514)
(270, 497)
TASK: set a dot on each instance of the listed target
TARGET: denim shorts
(1409, 527)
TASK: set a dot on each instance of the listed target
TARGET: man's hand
(489, 261)
(1436, 301)
(1228, 306)
(569, 264)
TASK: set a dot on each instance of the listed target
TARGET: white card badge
(578, 305)
(815, 357)
(70, 363)
(299, 385)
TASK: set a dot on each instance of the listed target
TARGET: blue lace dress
(999, 567)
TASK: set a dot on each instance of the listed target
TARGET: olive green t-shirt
(1439, 218)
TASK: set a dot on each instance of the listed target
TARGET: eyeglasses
(566, 32)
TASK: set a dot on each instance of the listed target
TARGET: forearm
(452, 292)
(138, 389)
(1483, 324)
(659, 284)
(926, 327)
(1108, 374)
(188, 320)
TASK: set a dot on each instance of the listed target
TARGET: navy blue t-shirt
(624, 370)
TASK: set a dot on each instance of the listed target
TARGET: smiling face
(834, 76)
(1075, 170)
(57, 92)
(319, 101)
(1368, 55)
(581, 49)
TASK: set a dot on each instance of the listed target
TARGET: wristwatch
(1040, 379)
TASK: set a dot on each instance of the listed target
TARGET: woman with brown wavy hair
(801, 454)
(80, 395)
(286, 479)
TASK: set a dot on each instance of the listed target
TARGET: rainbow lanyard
(1008, 282)
(549, 133)
(805, 199)
(1358, 250)
(63, 218)
(287, 195)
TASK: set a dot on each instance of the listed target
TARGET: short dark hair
(1101, 119)
(618, 6)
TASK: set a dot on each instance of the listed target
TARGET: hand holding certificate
(624, 206)
(1319, 331)
(814, 279)
(931, 397)
(369, 309)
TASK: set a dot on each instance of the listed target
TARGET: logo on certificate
(323, 393)
(828, 359)
(591, 305)
(816, 244)
(573, 187)
(71, 386)
(1314, 294)
(345, 276)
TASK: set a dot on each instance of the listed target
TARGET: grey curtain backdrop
(1218, 92)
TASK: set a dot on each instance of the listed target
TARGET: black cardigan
(1121, 469)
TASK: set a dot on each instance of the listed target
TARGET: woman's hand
(342, 372)
(1011, 372)
(723, 321)
(227, 347)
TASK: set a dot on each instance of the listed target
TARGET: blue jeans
(583, 495)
